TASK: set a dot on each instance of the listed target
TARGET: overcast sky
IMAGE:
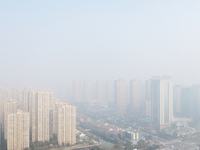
(54, 42)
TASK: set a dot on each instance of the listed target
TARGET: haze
(53, 42)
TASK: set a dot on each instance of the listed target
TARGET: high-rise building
(135, 96)
(100, 90)
(20, 99)
(9, 106)
(77, 91)
(148, 90)
(57, 103)
(65, 123)
(194, 102)
(39, 113)
(110, 91)
(61, 91)
(121, 95)
(42, 116)
(73, 124)
(32, 111)
(51, 107)
(5, 93)
(177, 100)
(185, 102)
(25, 101)
(147, 108)
(147, 98)
(88, 92)
(161, 101)
(18, 131)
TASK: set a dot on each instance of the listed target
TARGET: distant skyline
(55, 42)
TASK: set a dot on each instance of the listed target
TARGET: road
(177, 144)
(76, 147)
(174, 143)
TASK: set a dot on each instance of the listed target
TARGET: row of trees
(102, 133)
(141, 144)
(118, 144)
(91, 136)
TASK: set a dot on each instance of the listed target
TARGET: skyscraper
(100, 90)
(147, 99)
(148, 90)
(25, 103)
(9, 106)
(39, 112)
(161, 101)
(65, 123)
(147, 108)
(31, 99)
(194, 102)
(51, 107)
(177, 100)
(121, 95)
(88, 92)
(135, 96)
(110, 91)
(77, 91)
(185, 102)
(18, 131)
(42, 116)
(5, 93)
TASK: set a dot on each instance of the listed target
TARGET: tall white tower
(121, 95)
(161, 101)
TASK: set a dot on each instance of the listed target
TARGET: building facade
(177, 100)
(9, 106)
(110, 91)
(135, 97)
(161, 101)
(39, 115)
(121, 95)
(100, 90)
(88, 91)
(18, 131)
(65, 123)
(77, 91)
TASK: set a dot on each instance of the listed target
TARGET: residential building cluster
(87, 91)
(187, 101)
(157, 98)
(128, 133)
(29, 115)
(101, 125)
(154, 99)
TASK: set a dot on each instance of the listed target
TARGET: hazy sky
(57, 41)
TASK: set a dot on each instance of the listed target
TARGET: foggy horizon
(53, 43)
(100, 75)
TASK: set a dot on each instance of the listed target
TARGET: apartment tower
(120, 90)
(100, 90)
(135, 96)
(77, 91)
(51, 107)
(18, 131)
(161, 101)
(88, 92)
(65, 123)
(9, 106)
(110, 91)
(39, 115)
